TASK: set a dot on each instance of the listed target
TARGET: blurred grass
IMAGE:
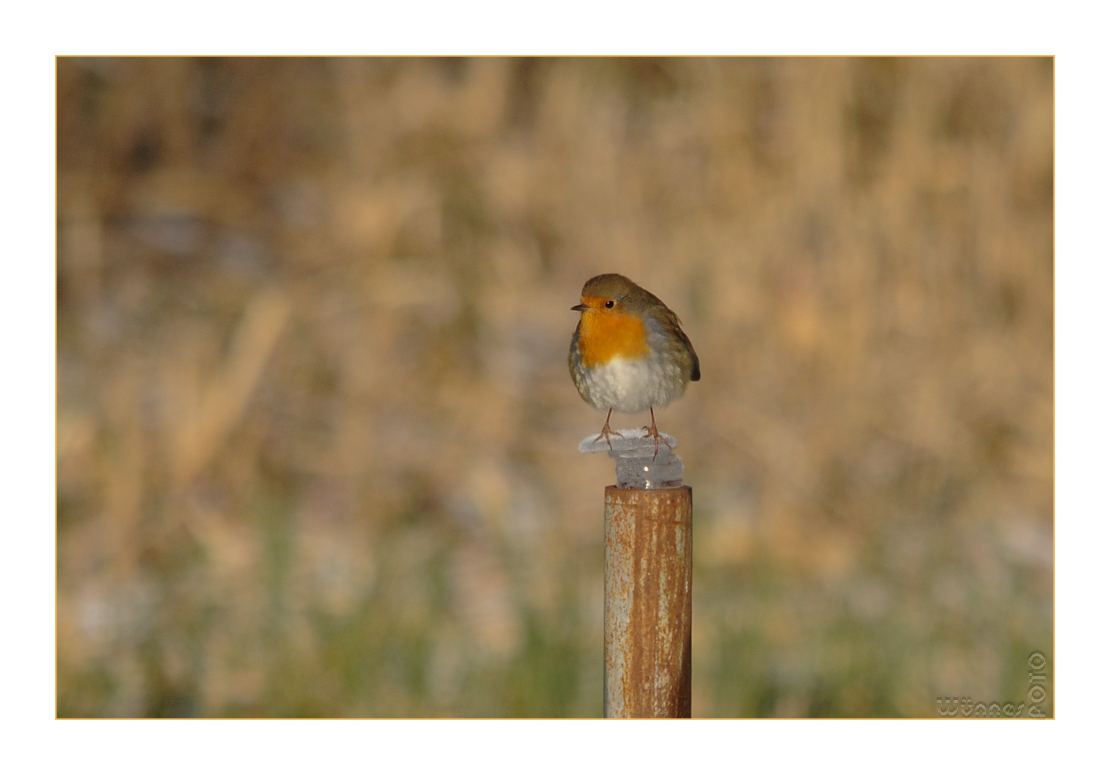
(316, 438)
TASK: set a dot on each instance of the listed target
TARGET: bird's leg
(606, 431)
(653, 433)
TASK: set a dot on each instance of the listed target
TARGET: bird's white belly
(633, 386)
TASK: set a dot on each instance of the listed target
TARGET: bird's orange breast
(607, 334)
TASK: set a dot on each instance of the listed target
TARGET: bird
(629, 352)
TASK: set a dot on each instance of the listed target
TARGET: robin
(628, 352)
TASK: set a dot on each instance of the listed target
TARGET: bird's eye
(610, 304)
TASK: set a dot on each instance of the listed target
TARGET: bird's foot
(606, 432)
(653, 433)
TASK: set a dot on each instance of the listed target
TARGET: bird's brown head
(614, 294)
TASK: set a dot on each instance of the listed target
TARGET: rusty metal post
(648, 575)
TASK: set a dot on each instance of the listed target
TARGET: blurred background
(316, 437)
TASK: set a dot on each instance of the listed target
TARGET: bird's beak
(580, 307)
